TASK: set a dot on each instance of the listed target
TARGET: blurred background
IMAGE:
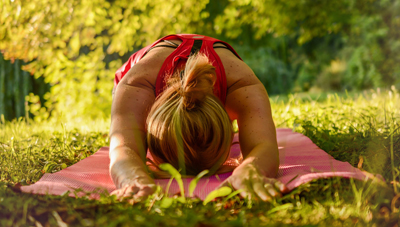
(58, 58)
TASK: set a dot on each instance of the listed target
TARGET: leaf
(194, 182)
(220, 192)
(170, 169)
(174, 174)
(181, 199)
(61, 57)
(166, 202)
(48, 168)
(235, 126)
(282, 207)
(233, 194)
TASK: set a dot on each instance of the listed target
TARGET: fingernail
(280, 186)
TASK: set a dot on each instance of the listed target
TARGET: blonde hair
(187, 125)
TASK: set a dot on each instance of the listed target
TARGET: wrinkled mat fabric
(300, 162)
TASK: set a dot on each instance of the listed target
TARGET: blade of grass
(392, 159)
(175, 175)
(220, 192)
(194, 182)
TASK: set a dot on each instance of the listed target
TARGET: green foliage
(348, 128)
(307, 19)
(323, 203)
(344, 44)
(370, 48)
(16, 88)
(76, 46)
(219, 192)
(375, 47)
(174, 175)
(193, 183)
(273, 70)
(33, 151)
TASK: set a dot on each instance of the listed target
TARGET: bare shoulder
(245, 92)
(238, 73)
(144, 73)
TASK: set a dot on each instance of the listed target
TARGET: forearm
(128, 157)
(265, 158)
(126, 167)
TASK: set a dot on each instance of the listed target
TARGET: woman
(177, 97)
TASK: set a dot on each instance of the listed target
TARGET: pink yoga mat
(300, 162)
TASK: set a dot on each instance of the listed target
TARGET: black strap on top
(196, 46)
(160, 46)
(167, 41)
(170, 42)
(225, 47)
(222, 47)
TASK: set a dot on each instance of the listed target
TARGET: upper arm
(130, 106)
(249, 104)
(133, 98)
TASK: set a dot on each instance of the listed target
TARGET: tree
(76, 45)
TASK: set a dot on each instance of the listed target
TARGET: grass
(362, 129)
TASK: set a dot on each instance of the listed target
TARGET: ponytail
(197, 82)
(187, 125)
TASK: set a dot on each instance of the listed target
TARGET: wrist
(126, 174)
(247, 166)
(136, 180)
(255, 164)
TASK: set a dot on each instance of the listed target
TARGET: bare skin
(247, 101)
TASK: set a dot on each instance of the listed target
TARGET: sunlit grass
(362, 129)
(31, 149)
(349, 127)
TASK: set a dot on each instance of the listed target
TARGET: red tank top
(190, 43)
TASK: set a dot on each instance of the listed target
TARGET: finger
(281, 187)
(124, 193)
(138, 194)
(121, 193)
(246, 190)
(260, 191)
(145, 192)
(225, 183)
(115, 192)
(272, 190)
(245, 194)
(132, 201)
(130, 191)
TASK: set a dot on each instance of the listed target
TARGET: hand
(248, 178)
(135, 189)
